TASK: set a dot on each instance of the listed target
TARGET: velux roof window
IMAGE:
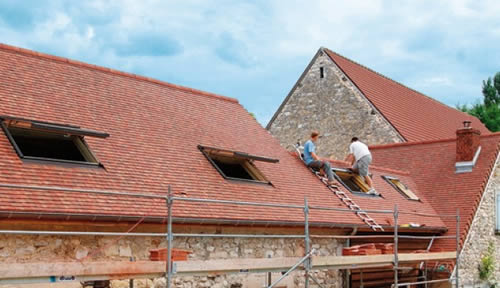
(402, 188)
(352, 181)
(48, 141)
(235, 165)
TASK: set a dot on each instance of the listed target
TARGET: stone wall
(481, 233)
(335, 107)
(22, 248)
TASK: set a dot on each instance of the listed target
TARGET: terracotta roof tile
(415, 116)
(432, 168)
(155, 128)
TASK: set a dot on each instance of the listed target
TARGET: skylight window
(352, 181)
(49, 142)
(402, 188)
(235, 165)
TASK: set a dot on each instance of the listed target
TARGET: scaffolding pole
(307, 241)
(396, 245)
(306, 260)
(170, 237)
(457, 261)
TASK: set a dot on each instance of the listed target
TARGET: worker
(313, 161)
(361, 158)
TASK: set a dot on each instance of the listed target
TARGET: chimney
(468, 147)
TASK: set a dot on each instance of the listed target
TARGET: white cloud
(443, 47)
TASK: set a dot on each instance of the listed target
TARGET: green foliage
(487, 265)
(488, 111)
(490, 92)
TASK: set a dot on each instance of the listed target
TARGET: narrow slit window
(352, 181)
(321, 72)
(402, 188)
(236, 165)
(51, 142)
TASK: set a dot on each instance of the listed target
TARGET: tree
(488, 111)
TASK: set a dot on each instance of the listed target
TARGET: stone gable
(332, 105)
(481, 233)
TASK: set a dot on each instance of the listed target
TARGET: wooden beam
(125, 270)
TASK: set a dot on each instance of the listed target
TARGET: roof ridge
(54, 58)
(397, 82)
(424, 142)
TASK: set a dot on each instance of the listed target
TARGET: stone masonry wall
(481, 233)
(335, 107)
(24, 248)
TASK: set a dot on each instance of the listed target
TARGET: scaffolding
(305, 262)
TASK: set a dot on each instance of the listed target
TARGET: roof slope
(415, 116)
(391, 197)
(432, 166)
(155, 129)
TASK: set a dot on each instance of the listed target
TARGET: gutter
(193, 221)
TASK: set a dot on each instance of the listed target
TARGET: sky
(256, 50)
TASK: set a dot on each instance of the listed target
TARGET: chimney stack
(467, 142)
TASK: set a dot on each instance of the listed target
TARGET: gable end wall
(335, 107)
(481, 233)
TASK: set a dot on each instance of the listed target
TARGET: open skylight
(48, 141)
(352, 181)
(235, 165)
(402, 188)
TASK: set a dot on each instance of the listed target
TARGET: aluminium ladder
(344, 198)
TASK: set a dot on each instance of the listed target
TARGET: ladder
(344, 198)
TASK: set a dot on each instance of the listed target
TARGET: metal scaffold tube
(306, 261)
(302, 260)
(169, 237)
(396, 245)
(457, 261)
(307, 241)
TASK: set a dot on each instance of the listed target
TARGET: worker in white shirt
(360, 158)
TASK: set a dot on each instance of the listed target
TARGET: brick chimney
(467, 142)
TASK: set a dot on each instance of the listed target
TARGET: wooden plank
(28, 270)
(118, 269)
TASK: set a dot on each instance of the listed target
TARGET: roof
(431, 165)
(155, 129)
(391, 197)
(414, 115)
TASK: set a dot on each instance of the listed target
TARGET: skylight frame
(358, 181)
(241, 158)
(78, 141)
(407, 193)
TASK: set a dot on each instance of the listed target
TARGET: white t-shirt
(359, 150)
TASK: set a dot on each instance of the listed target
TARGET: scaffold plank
(66, 271)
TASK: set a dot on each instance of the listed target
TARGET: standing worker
(361, 158)
(313, 161)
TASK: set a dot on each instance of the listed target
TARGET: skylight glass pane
(402, 188)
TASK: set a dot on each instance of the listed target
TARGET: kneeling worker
(313, 161)
(361, 158)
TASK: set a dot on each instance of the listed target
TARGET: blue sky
(255, 50)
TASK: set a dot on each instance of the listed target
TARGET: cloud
(145, 44)
(256, 50)
(233, 51)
